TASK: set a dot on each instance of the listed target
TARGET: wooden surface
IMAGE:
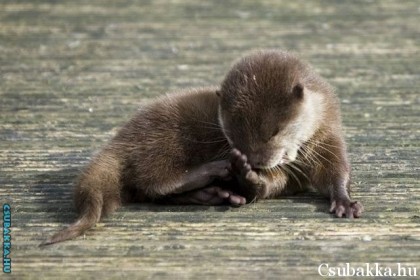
(71, 72)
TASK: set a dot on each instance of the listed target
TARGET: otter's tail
(87, 219)
(96, 194)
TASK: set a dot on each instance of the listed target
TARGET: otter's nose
(259, 160)
(256, 160)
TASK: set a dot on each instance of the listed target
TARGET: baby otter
(273, 127)
(283, 122)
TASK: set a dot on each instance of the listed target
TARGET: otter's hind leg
(194, 186)
(211, 195)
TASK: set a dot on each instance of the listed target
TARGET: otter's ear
(218, 93)
(298, 91)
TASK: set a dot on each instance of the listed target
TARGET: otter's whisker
(321, 145)
(290, 172)
(292, 165)
(307, 154)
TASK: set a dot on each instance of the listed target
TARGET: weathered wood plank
(73, 71)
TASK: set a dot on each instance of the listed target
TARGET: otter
(273, 127)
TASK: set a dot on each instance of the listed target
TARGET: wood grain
(71, 72)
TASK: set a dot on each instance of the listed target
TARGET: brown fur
(176, 145)
(150, 157)
(260, 97)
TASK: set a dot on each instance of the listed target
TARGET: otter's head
(262, 108)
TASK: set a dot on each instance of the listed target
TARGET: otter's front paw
(252, 187)
(346, 208)
(242, 169)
